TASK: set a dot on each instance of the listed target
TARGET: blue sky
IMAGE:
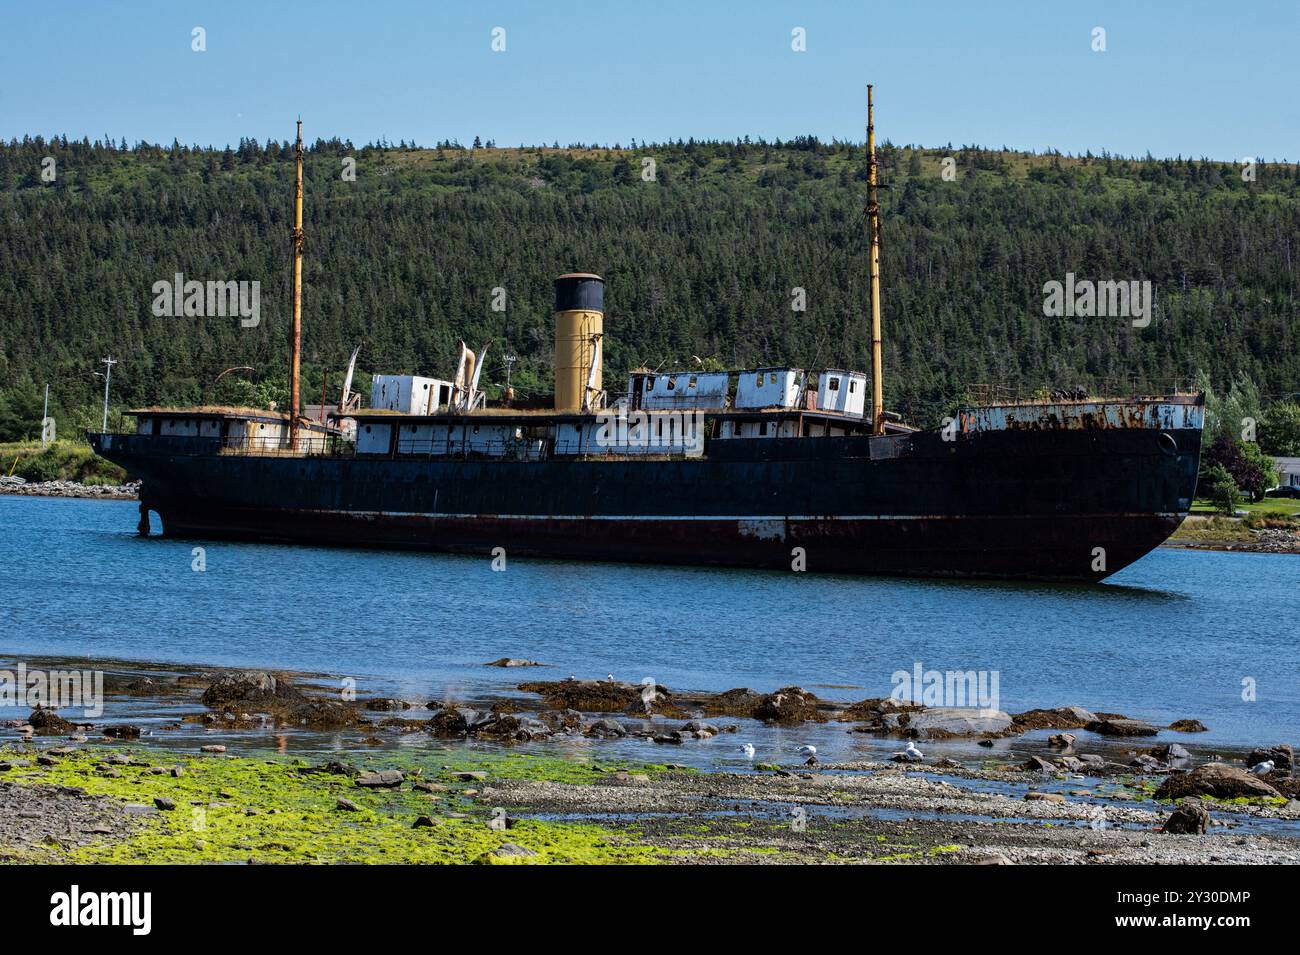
(1177, 78)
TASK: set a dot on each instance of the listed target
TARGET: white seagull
(1262, 769)
(748, 750)
(914, 754)
(807, 750)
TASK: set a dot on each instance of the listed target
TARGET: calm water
(1170, 637)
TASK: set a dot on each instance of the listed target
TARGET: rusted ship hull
(1070, 491)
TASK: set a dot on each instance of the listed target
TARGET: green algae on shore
(242, 809)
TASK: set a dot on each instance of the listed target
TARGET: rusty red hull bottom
(1066, 548)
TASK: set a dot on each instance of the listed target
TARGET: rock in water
(1036, 764)
(386, 704)
(1214, 779)
(512, 662)
(1189, 819)
(1189, 726)
(385, 779)
(1280, 756)
(606, 729)
(506, 854)
(1061, 718)
(1122, 727)
(789, 705)
(941, 722)
(48, 723)
(257, 687)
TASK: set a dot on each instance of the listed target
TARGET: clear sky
(1177, 77)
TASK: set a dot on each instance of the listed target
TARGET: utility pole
(108, 376)
(45, 416)
(510, 364)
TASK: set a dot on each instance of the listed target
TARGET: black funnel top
(580, 290)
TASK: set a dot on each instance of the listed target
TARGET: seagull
(913, 752)
(807, 750)
(609, 677)
(748, 750)
(1262, 769)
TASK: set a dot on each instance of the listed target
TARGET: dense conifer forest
(703, 246)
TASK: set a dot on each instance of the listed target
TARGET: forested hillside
(701, 264)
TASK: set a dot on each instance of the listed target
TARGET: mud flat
(248, 766)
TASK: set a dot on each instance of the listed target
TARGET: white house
(1288, 471)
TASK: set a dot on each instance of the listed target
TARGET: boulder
(1121, 726)
(1035, 796)
(789, 705)
(606, 729)
(1060, 718)
(1189, 726)
(701, 729)
(1171, 751)
(943, 722)
(1214, 779)
(1036, 764)
(49, 723)
(1147, 763)
(740, 701)
(448, 722)
(600, 696)
(1189, 819)
(559, 721)
(506, 853)
(320, 714)
(163, 803)
(1281, 755)
(384, 779)
(876, 710)
(249, 691)
(1061, 740)
(347, 805)
(513, 662)
(384, 704)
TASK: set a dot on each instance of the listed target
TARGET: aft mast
(873, 220)
(295, 359)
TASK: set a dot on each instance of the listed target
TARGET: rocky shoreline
(523, 779)
(110, 492)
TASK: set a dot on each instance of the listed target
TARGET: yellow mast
(873, 219)
(295, 361)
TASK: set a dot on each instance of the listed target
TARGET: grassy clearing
(1280, 505)
(1199, 529)
(60, 461)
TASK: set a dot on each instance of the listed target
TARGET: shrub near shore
(60, 461)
